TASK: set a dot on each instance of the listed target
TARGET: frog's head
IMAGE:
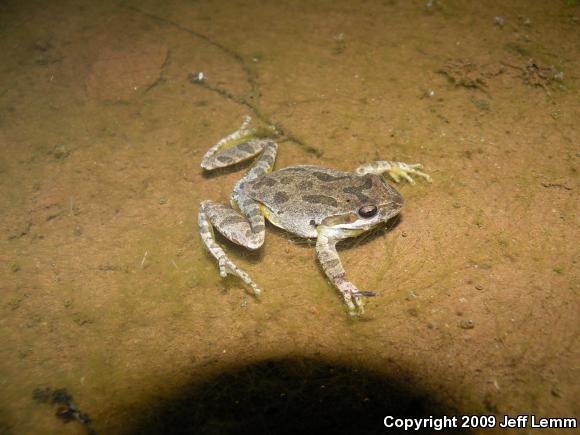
(366, 205)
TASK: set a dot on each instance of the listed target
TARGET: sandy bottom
(110, 305)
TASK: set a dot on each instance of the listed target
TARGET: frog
(307, 201)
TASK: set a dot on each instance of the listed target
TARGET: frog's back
(297, 198)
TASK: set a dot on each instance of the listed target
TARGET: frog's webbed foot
(396, 170)
(353, 297)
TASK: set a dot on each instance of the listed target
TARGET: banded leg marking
(249, 207)
(210, 159)
(234, 227)
(245, 231)
(237, 147)
(264, 164)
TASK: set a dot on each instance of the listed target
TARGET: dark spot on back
(323, 176)
(264, 181)
(320, 199)
(358, 190)
(280, 198)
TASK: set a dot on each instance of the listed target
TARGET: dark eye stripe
(368, 211)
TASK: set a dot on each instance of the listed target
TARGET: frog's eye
(368, 211)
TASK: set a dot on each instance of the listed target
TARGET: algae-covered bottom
(112, 311)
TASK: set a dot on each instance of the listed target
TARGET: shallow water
(108, 293)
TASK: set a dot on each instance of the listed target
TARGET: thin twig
(144, 257)
(251, 78)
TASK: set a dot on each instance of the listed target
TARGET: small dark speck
(312, 222)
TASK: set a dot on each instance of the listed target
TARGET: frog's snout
(398, 200)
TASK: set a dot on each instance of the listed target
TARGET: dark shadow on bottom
(291, 396)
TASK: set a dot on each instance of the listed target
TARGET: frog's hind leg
(243, 222)
(396, 170)
(235, 227)
(237, 147)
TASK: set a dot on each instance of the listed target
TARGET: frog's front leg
(396, 170)
(332, 266)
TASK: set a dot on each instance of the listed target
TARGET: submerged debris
(463, 74)
(60, 152)
(339, 43)
(66, 409)
(466, 324)
(536, 75)
(557, 185)
(196, 77)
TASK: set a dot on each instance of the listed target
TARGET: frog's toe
(424, 175)
(395, 175)
(351, 303)
(353, 298)
(414, 169)
(408, 178)
(228, 267)
(354, 310)
(359, 306)
(399, 172)
(223, 267)
(404, 170)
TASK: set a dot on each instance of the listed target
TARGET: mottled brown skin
(299, 198)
